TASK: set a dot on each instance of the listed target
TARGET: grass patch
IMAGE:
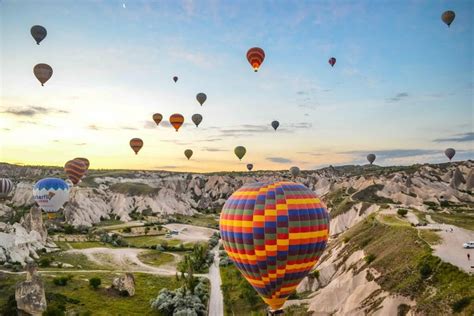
(430, 236)
(79, 261)
(459, 219)
(150, 241)
(408, 267)
(131, 188)
(155, 258)
(202, 220)
(240, 298)
(339, 202)
(393, 220)
(109, 222)
(89, 244)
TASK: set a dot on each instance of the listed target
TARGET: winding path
(216, 301)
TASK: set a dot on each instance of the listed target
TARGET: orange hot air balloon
(176, 120)
(255, 56)
(75, 170)
(136, 144)
(157, 117)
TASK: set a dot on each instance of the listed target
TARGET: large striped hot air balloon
(75, 170)
(274, 233)
(6, 186)
(176, 120)
(255, 56)
(136, 144)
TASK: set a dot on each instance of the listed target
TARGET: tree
(402, 212)
(95, 282)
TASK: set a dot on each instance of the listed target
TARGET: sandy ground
(189, 233)
(216, 300)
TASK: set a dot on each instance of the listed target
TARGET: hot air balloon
(85, 161)
(176, 120)
(275, 125)
(6, 186)
(75, 170)
(274, 233)
(175, 79)
(332, 61)
(39, 33)
(157, 117)
(371, 158)
(50, 194)
(450, 152)
(255, 56)
(188, 153)
(136, 144)
(295, 171)
(249, 167)
(448, 17)
(197, 119)
(43, 72)
(240, 152)
(201, 98)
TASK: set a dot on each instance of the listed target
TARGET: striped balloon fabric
(176, 120)
(274, 233)
(75, 170)
(6, 186)
(255, 56)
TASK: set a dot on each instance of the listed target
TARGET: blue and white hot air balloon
(51, 194)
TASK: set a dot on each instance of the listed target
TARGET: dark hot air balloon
(39, 33)
(295, 171)
(255, 56)
(43, 72)
(448, 17)
(201, 98)
(371, 158)
(275, 234)
(450, 152)
(249, 167)
(240, 151)
(188, 153)
(157, 117)
(175, 79)
(136, 144)
(197, 119)
(332, 61)
(176, 120)
(275, 125)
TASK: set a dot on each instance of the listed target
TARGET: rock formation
(124, 284)
(29, 294)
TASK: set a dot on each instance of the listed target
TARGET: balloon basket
(271, 312)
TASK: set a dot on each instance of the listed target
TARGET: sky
(402, 86)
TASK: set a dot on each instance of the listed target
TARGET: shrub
(369, 258)
(425, 270)
(402, 212)
(95, 282)
(127, 230)
(459, 305)
(403, 309)
(315, 274)
(45, 262)
(61, 281)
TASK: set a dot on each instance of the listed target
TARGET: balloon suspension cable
(271, 312)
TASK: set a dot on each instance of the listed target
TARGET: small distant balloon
(176, 120)
(188, 153)
(6, 186)
(240, 151)
(39, 33)
(197, 119)
(157, 117)
(448, 17)
(332, 61)
(275, 125)
(43, 72)
(371, 158)
(255, 56)
(201, 98)
(136, 144)
(249, 167)
(450, 152)
(175, 79)
(295, 171)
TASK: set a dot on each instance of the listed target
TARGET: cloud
(394, 153)
(94, 127)
(279, 159)
(212, 149)
(80, 144)
(177, 142)
(464, 137)
(129, 128)
(398, 97)
(30, 111)
(6, 129)
(149, 125)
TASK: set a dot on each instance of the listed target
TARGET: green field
(89, 244)
(155, 258)
(149, 241)
(202, 220)
(79, 261)
(458, 219)
(86, 301)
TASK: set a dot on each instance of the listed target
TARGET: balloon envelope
(136, 144)
(157, 117)
(51, 194)
(448, 17)
(295, 171)
(176, 120)
(275, 125)
(255, 56)
(332, 61)
(197, 119)
(43, 72)
(188, 153)
(85, 161)
(201, 98)
(450, 152)
(75, 170)
(274, 233)
(371, 158)
(38, 32)
(6, 186)
(249, 167)
(240, 152)
(175, 78)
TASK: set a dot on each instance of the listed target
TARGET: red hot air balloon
(255, 56)
(332, 61)
(136, 144)
(176, 120)
(274, 233)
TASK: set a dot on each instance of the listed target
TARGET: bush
(127, 230)
(459, 305)
(402, 212)
(45, 262)
(369, 258)
(403, 309)
(314, 274)
(425, 270)
(95, 282)
(61, 281)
